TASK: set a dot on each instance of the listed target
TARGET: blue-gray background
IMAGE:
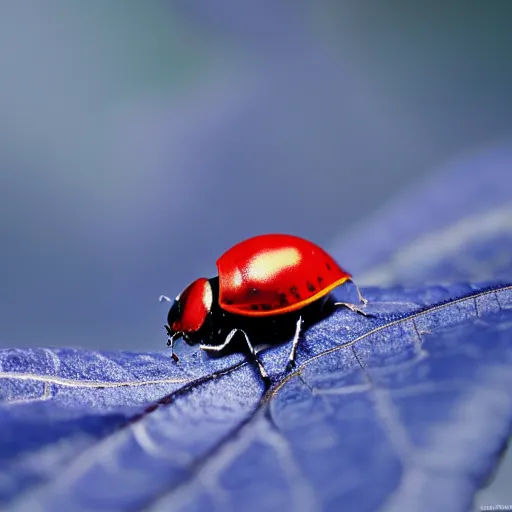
(139, 140)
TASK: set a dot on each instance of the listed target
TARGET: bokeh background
(139, 140)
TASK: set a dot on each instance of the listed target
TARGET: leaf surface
(402, 400)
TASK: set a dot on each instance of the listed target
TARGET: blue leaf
(408, 409)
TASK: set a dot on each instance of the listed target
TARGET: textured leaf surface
(376, 401)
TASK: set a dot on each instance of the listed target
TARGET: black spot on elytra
(295, 292)
(228, 301)
(283, 300)
(252, 292)
(311, 286)
(255, 307)
(320, 280)
(327, 266)
(266, 307)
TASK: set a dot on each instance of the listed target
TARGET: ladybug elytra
(276, 278)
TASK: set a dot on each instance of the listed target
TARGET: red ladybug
(283, 279)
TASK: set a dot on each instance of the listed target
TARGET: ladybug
(276, 278)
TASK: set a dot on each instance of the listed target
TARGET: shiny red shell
(195, 302)
(274, 274)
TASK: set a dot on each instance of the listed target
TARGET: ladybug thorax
(195, 302)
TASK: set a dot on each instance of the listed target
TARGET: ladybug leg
(362, 300)
(295, 344)
(171, 338)
(229, 337)
(218, 348)
(352, 307)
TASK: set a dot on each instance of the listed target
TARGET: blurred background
(139, 140)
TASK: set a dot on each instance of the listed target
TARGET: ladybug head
(189, 313)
